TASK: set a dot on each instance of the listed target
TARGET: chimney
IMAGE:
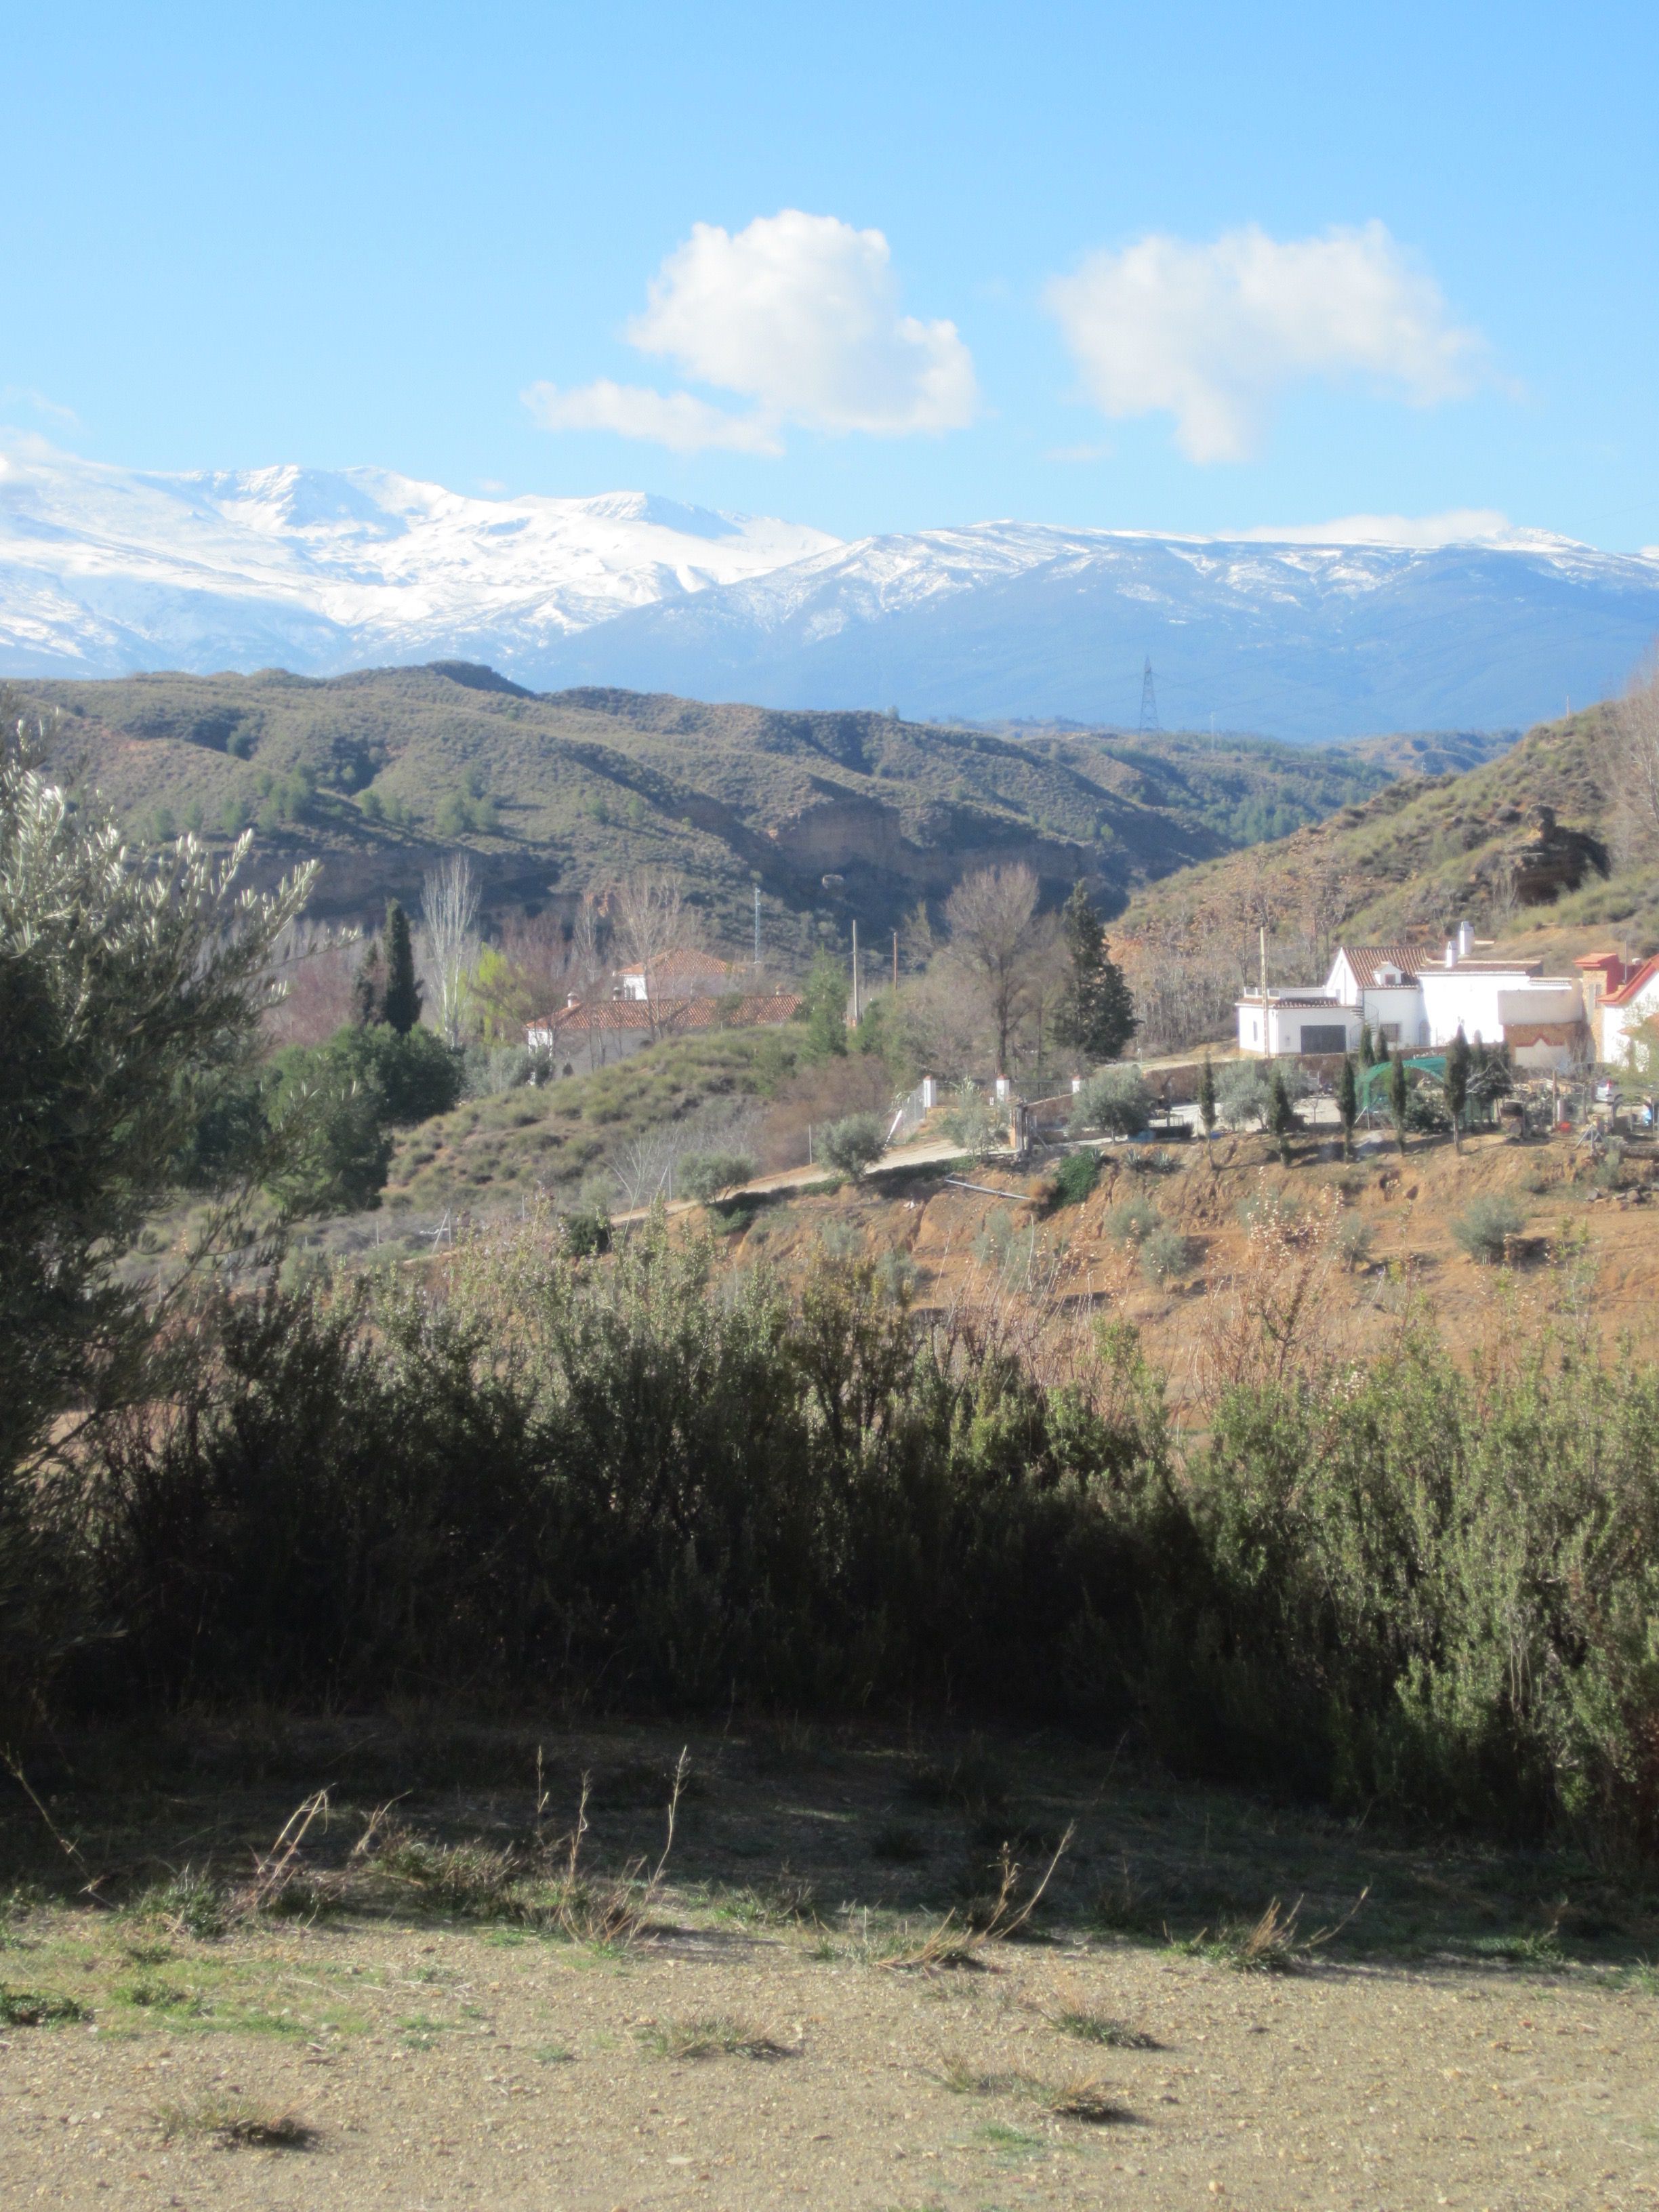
(1465, 939)
(573, 1001)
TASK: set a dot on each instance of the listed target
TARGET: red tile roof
(1634, 984)
(1365, 960)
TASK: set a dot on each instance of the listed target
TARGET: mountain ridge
(106, 572)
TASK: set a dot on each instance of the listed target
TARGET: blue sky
(1195, 267)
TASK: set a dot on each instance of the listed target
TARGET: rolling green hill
(834, 815)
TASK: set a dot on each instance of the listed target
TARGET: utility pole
(855, 975)
(757, 933)
(895, 964)
(1266, 1039)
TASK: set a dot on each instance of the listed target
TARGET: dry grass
(958, 1942)
(1270, 1945)
(234, 2125)
(716, 2038)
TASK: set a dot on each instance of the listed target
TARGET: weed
(1099, 2027)
(145, 1995)
(1353, 1240)
(1091, 2102)
(193, 1904)
(235, 2126)
(1270, 1945)
(37, 2008)
(720, 2036)
(1538, 1946)
(958, 1943)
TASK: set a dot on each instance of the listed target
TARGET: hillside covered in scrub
(1543, 850)
(377, 774)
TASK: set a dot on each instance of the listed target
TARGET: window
(1390, 1032)
(1324, 1036)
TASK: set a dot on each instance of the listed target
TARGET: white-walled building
(1623, 996)
(1411, 997)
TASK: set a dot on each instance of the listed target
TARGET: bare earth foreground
(1484, 2031)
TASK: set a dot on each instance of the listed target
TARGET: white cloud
(798, 314)
(1458, 525)
(674, 419)
(1213, 333)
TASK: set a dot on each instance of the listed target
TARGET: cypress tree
(368, 996)
(1206, 1104)
(401, 1002)
(1347, 1103)
(1367, 1057)
(1458, 1061)
(1281, 1115)
(1399, 1095)
(1096, 1016)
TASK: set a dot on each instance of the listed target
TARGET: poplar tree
(400, 1003)
(1207, 1107)
(1096, 1016)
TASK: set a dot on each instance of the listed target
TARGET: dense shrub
(854, 1143)
(625, 1480)
(1116, 1100)
(1482, 1229)
(704, 1175)
(1163, 1254)
(1076, 1177)
(1132, 1220)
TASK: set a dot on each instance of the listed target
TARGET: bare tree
(997, 943)
(651, 920)
(1633, 750)
(449, 920)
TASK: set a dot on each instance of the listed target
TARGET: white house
(1409, 996)
(1632, 1000)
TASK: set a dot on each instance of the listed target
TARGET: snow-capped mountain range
(104, 571)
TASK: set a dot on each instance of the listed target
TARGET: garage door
(1324, 1036)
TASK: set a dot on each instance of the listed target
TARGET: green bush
(854, 1143)
(978, 1124)
(1244, 1089)
(1116, 1100)
(704, 1175)
(1076, 1177)
(1163, 1254)
(1484, 1225)
(1353, 1240)
(1397, 1585)
(1132, 1220)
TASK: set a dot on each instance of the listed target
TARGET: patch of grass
(1012, 2142)
(236, 2126)
(1536, 1947)
(37, 2008)
(419, 2033)
(554, 2054)
(1099, 2027)
(777, 1904)
(148, 1994)
(718, 2036)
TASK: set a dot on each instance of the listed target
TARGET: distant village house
(1411, 997)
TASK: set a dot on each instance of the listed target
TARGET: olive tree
(130, 994)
